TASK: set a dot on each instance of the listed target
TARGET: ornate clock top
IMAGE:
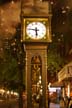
(36, 21)
(35, 8)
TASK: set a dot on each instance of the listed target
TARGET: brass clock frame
(27, 21)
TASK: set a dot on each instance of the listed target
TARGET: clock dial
(36, 30)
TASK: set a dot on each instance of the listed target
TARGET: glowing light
(63, 22)
(63, 11)
(39, 81)
(21, 40)
(61, 35)
(68, 90)
(53, 35)
(52, 3)
(40, 77)
(12, 2)
(59, 39)
(15, 93)
(11, 92)
(8, 92)
(67, 7)
(2, 91)
(53, 89)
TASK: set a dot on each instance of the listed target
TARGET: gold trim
(44, 21)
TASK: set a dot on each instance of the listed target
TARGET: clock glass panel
(36, 30)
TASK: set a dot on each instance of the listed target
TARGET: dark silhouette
(48, 102)
(68, 102)
(71, 106)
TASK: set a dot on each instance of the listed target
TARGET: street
(14, 104)
(9, 104)
(52, 105)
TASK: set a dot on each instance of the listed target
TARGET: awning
(66, 72)
(57, 84)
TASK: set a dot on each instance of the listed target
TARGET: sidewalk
(52, 105)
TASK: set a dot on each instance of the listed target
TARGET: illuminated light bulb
(68, 94)
(21, 40)
(41, 91)
(67, 7)
(59, 39)
(61, 35)
(63, 22)
(11, 92)
(18, 62)
(52, 3)
(63, 11)
(14, 49)
(8, 92)
(39, 81)
(12, 2)
(53, 35)
(40, 77)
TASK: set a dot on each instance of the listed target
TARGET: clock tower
(36, 34)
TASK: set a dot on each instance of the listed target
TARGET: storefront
(65, 76)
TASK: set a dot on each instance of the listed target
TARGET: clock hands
(36, 30)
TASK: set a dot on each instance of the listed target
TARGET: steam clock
(36, 34)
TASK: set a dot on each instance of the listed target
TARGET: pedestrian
(48, 102)
(40, 101)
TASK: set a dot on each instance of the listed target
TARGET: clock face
(36, 30)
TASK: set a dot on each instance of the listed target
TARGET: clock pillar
(36, 45)
(36, 50)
